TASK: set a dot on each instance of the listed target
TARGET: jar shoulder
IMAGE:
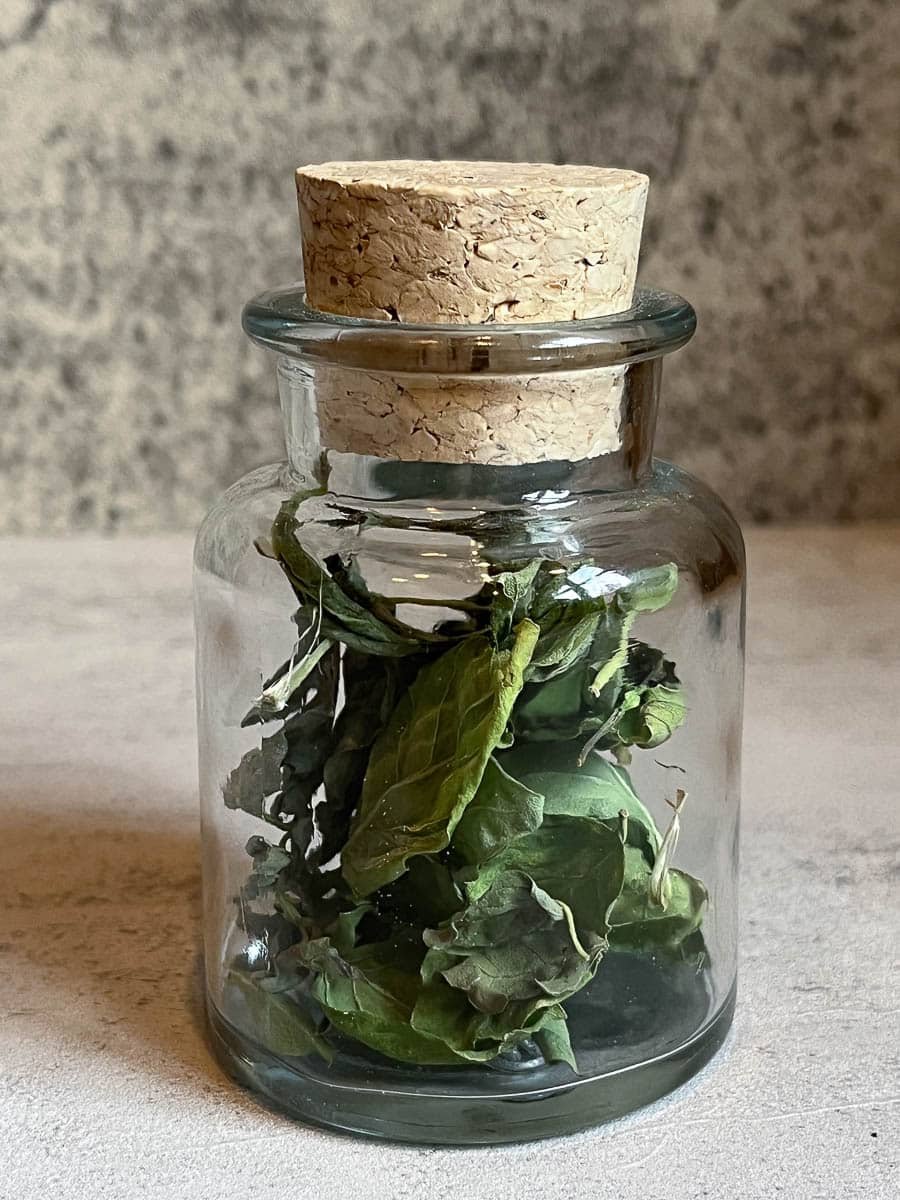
(244, 513)
(669, 517)
(698, 509)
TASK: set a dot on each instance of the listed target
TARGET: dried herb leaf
(511, 593)
(270, 863)
(369, 993)
(444, 1014)
(579, 861)
(257, 776)
(371, 690)
(428, 761)
(515, 942)
(565, 638)
(343, 930)
(275, 698)
(637, 922)
(658, 708)
(278, 1022)
(425, 894)
(342, 618)
(598, 788)
(502, 810)
(553, 1039)
(457, 784)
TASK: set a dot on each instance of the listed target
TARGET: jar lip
(657, 323)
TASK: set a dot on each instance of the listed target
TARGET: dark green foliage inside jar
(454, 842)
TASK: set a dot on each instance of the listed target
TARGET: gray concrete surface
(146, 192)
(107, 1089)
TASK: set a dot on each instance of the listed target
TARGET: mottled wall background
(146, 190)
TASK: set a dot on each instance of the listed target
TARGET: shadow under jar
(469, 747)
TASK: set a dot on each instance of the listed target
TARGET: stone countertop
(107, 1088)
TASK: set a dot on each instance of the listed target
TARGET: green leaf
(516, 586)
(586, 683)
(279, 1023)
(649, 589)
(641, 705)
(565, 638)
(369, 993)
(371, 689)
(257, 776)
(269, 864)
(610, 648)
(637, 922)
(515, 942)
(308, 737)
(553, 1039)
(552, 710)
(425, 894)
(532, 933)
(343, 618)
(428, 761)
(581, 612)
(443, 1014)
(502, 810)
(654, 720)
(579, 861)
(275, 698)
(343, 930)
(510, 595)
(460, 745)
(598, 789)
(311, 899)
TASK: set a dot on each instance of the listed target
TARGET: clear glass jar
(469, 753)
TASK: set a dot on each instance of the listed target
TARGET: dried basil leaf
(369, 993)
(553, 1039)
(279, 1023)
(638, 923)
(270, 863)
(579, 861)
(458, 788)
(443, 1014)
(277, 695)
(509, 594)
(514, 942)
(502, 810)
(565, 639)
(425, 894)
(598, 788)
(257, 776)
(342, 618)
(428, 761)
(371, 691)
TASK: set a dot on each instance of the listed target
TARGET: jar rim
(657, 323)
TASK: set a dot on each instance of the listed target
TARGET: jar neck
(623, 410)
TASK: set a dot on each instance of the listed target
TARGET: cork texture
(472, 242)
(498, 421)
(438, 242)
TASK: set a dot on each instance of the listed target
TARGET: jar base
(454, 1106)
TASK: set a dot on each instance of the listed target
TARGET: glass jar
(469, 750)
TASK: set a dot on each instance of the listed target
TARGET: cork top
(461, 242)
(466, 179)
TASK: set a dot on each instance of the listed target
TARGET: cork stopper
(456, 242)
(447, 242)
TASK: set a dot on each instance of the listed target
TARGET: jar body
(470, 746)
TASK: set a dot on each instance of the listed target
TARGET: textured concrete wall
(146, 191)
